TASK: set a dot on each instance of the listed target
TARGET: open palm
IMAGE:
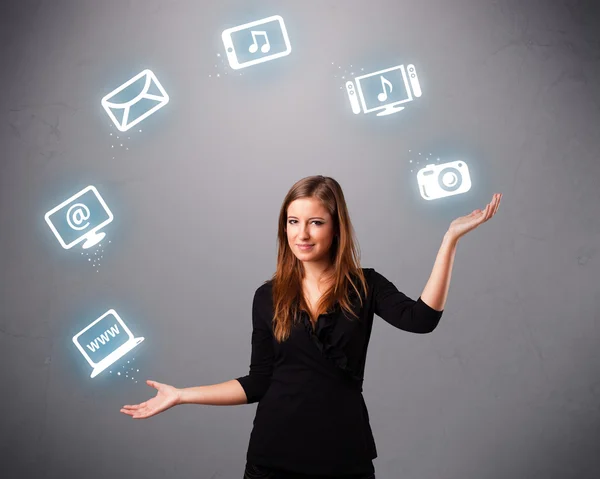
(166, 397)
(464, 224)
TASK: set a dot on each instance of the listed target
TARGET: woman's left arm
(436, 290)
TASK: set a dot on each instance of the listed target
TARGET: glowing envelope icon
(105, 341)
(135, 100)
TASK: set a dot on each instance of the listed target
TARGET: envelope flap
(130, 92)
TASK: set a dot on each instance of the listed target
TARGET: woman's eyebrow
(313, 218)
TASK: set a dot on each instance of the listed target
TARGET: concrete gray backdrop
(507, 386)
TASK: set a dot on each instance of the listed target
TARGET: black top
(311, 416)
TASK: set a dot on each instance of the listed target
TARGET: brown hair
(344, 255)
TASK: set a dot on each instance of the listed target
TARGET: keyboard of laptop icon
(105, 341)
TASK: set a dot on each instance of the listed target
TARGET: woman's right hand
(166, 397)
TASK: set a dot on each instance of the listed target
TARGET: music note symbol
(384, 81)
(254, 47)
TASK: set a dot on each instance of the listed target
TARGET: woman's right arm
(252, 387)
(243, 390)
(229, 393)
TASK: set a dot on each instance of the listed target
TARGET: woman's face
(309, 223)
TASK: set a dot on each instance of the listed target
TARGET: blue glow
(443, 179)
(256, 42)
(80, 218)
(385, 91)
(135, 100)
(105, 341)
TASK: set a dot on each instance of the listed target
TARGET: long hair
(344, 255)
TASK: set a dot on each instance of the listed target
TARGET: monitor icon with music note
(256, 42)
(385, 91)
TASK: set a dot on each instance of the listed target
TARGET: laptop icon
(105, 341)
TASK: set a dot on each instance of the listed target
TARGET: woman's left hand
(461, 226)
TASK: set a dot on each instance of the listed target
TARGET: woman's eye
(314, 221)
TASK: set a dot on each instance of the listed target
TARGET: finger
(152, 384)
(132, 407)
(488, 211)
(142, 416)
(498, 203)
(493, 206)
(129, 413)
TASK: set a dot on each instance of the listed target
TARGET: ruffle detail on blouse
(325, 339)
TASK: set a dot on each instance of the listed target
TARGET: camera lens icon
(442, 180)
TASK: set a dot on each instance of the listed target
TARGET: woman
(311, 327)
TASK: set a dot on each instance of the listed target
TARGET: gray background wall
(507, 386)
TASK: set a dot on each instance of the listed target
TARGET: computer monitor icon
(105, 341)
(385, 91)
(80, 218)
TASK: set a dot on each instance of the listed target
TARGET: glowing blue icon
(135, 100)
(105, 341)
(256, 42)
(445, 179)
(79, 218)
(384, 91)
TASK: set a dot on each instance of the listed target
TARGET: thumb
(153, 384)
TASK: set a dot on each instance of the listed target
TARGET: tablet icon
(443, 179)
(256, 42)
(135, 100)
(105, 341)
(80, 218)
(385, 91)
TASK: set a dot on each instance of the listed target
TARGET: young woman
(311, 327)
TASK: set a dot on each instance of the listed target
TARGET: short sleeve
(401, 311)
(256, 383)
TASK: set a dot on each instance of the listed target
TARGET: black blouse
(311, 416)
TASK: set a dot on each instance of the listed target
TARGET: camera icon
(442, 180)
